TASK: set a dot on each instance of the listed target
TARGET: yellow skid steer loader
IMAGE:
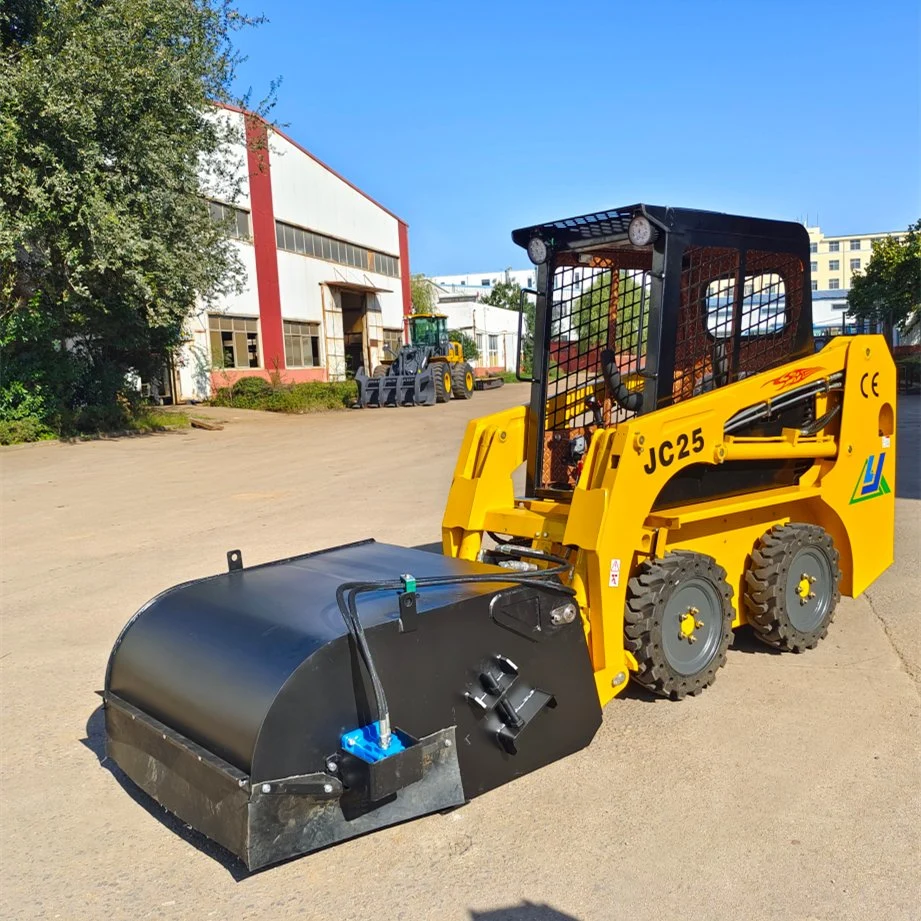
(692, 465)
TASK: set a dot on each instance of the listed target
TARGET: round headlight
(641, 232)
(537, 251)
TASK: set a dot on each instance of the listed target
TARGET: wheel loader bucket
(239, 702)
(396, 389)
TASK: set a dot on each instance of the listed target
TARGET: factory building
(326, 285)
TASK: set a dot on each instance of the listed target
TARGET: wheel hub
(804, 588)
(688, 624)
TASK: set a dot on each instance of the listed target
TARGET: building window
(484, 282)
(307, 243)
(834, 247)
(234, 341)
(815, 285)
(493, 356)
(236, 220)
(855, 244)
(855, 265)
(481, 346)
(834, 265)
(393, 339)
(814, 266)
(302, 344)
(530, 282)
(833, 284)
(813, 247)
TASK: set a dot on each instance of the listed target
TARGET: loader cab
(645, 306)
(428, 329)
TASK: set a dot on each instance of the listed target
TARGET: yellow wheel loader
(691, 465)
(429, 370)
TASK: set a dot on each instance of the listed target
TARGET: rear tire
(678, 622)
(792, 586)
(441, 373)
(462, 378)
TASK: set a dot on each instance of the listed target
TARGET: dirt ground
(790, 789)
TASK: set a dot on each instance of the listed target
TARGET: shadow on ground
(526, 911)
(95, 741)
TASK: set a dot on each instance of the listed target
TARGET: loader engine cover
(235, 701)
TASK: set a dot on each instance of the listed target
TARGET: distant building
(494, 329)
(326, 283)
(834, 260)
(484, 282)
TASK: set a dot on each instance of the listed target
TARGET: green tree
(507, 294)
(591, 312)
(889, 291)
(467, 343)
(422, 292)
(106, 243)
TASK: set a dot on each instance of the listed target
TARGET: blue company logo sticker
(872, 483)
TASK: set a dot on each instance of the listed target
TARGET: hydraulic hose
(628, 399)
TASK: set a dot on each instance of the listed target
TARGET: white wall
(309, 195)
(300, 278)
(482, 320)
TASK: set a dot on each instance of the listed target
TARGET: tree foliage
(888, 292)
(592, 314)
(106, 244)
(422, 293)
(467, 343)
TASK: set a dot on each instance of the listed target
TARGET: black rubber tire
(768, 579)
(462, 378)
(648, 595)
(441, 373)
(379, 371)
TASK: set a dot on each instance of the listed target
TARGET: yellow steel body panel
(609, 526)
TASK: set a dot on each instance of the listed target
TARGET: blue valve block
(365, 743)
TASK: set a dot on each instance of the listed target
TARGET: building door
(353, 329)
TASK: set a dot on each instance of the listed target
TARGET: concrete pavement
(791, 789)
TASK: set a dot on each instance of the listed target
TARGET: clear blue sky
(469, 119)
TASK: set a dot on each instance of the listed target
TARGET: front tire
(792, 586)
(678, 622)
(462, 378)
(441, 373)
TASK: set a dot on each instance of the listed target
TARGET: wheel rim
(447, 377)
(692, 626)
(809, 589)
(468, 380)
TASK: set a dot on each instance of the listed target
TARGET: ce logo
(873, 382)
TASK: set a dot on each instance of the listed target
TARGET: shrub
(312, 396)
(17, 431)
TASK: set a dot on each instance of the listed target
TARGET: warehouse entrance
(354, 308)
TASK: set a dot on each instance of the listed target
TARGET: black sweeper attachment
(256, 705)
